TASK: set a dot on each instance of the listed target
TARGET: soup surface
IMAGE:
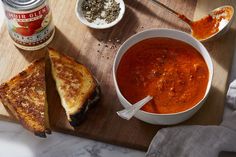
(171, 71)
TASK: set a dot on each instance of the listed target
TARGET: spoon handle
(180, 16)
(128, 113)
(164, 6)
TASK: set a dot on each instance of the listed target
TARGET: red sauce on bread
(171, 71)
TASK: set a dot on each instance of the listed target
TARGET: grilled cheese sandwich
(25, 97)
(75, 84)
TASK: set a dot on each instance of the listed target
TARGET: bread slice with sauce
(75, 84)
(24, 96)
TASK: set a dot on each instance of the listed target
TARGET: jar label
(30, 28)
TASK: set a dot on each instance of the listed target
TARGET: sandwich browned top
(25, 97)
(74, 82)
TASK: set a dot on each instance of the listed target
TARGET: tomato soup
(171, 71)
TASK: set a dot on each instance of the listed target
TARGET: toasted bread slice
(25, 97)
(75, 85)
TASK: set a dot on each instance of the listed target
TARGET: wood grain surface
(96, 49)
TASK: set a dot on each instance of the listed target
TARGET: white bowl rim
(210, 68)
(104, 26)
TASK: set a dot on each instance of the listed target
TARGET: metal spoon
(129, 112)
(223, 27)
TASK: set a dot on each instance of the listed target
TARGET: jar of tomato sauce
(29, 23)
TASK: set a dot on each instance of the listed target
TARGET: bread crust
(25, 97)
(75, 85)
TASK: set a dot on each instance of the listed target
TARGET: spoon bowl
(224, 25)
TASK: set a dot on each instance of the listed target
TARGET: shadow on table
(211, 112)
(222, 49)
(141, 7)
(60, 43)
(30, 56)
(227, 154)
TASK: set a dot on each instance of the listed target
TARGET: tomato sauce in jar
(29, 23)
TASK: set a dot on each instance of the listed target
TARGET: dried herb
(107, 10)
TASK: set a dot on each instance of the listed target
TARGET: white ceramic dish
(164, 119)
(94, 25)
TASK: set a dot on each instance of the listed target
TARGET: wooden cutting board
(94, 49)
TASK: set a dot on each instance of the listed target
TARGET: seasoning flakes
(107, 10)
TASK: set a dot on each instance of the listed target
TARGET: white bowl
(80, 16)
(163, 119)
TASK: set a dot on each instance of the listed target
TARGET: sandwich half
(24, 96)
(75, 84)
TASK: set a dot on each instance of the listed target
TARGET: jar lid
(23, 4)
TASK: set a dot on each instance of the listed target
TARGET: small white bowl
(80, 16)
(163, 119)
